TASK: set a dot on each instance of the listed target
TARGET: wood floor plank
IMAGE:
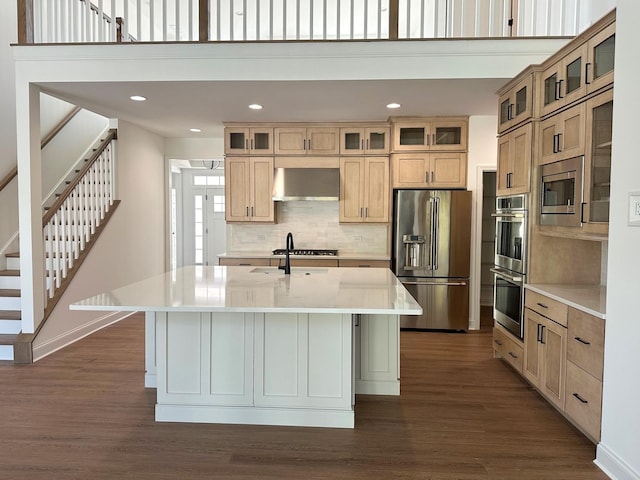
(83, 413)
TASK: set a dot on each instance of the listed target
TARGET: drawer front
(585, 343)
(583, 400)
(235, 262)
(508, 349)
(546, 306)
(364, 263)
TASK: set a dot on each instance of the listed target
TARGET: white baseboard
(370, 387)
(67, 338)
(613, 465)
(6, 352)
(150, 380)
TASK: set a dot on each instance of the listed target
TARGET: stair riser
(10, 327)
(9, 282)
(10, 303)
(6, 352)
(13, 263)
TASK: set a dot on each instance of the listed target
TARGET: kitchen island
(253, 345)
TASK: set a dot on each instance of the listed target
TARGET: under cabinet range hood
(306, 184)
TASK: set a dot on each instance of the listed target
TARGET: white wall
(132, 246)
(483, 155)
(619, 450)
(592, 10)
(195, 148)
(9, 196)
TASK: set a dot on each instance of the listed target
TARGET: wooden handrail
(87, 165)
(61, 124)
(7, 179)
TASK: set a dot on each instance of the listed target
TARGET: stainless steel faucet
(289, 246)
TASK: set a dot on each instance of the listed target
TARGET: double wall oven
(510, 262)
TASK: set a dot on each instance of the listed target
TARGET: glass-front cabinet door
(600, 63)
(364, 140)
(598, 168)
(564, 81)
(240, 140)
(516, 103)
(435, 135)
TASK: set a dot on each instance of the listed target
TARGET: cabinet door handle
(584, 342)
(366, 212)
(556, 93)
(433, 177)
(367, 147)
(309, 144)
(433, 139)
(510, 112)
(541, 305)
(539, 333)
(498, 342)
(426, 177)
(542, 329)
(560, 89)
(586, 73)
(361, 212)
(252, 211)
(247, 211)
(580, 398)
(559, 136)
(304, 143)
(246, 144)
(251, 148)
(512, 355)
(582, 205)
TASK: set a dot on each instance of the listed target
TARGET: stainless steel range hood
(306, 184)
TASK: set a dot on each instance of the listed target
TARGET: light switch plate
(634, 209)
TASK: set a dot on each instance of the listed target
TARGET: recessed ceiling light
(394, 105)
(138, 98)
(255, 106)
(195, 130)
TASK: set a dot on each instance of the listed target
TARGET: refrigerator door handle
(435, 232)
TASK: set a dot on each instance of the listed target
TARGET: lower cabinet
(563, 358)
(506, 347)
(378, 369)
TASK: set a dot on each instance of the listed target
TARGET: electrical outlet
(634, 209)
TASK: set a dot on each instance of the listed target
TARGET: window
(210, 180)
(199, 229)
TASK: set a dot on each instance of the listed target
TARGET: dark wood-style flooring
(83, 413)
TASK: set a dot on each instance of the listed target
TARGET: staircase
(10, 315)
(71, 226)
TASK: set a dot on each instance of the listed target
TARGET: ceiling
(172, 108)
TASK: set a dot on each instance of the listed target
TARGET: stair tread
(10, 292)
(9, 273)
(10, 314)
(7, 338)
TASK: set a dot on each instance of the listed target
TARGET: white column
(29, 201)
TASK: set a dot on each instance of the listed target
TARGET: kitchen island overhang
(253, 345)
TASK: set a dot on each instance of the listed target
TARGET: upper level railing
(80, 21)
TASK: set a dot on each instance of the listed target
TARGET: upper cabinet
(429, 134)
(429, 170)
(364, 140)
(307, 140)
(578, 71)
(516, 100)
(248, 140)
(514, 161)
(248, 187)
(364, 189)
(562, 135)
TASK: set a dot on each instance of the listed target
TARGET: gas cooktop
(307, 251)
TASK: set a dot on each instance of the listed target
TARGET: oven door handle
(446, 284)
(507, 215)
(505, 275)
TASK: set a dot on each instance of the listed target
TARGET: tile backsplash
(314, 225)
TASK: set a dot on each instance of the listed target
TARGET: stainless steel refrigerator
(431, 255)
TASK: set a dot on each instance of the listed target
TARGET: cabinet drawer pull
(582, 400)
(542, 305)
(512, 355)
(584, 342)
(498, 342)
(244, 264)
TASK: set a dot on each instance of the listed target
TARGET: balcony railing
(90, 21)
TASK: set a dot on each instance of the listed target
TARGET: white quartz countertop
(261, 289)
(590, 299)
(340, 256)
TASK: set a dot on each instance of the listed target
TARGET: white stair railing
(272, 20)
(72, 221)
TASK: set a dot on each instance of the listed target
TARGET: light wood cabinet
(364, 140)
(586, 68)
(586, 342)
(248, 189)
(429, 170)
(307, 140)
(564, 81)
(516, 104)
(562, 135)
(248, 140)
(378, 371)
(597, 168)
(243, 262)
(544, 356)
(364, 189)
(514, 161)
(430, 134)
(508, 348)
(600, 61)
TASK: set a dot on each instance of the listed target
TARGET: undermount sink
(294, 271)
